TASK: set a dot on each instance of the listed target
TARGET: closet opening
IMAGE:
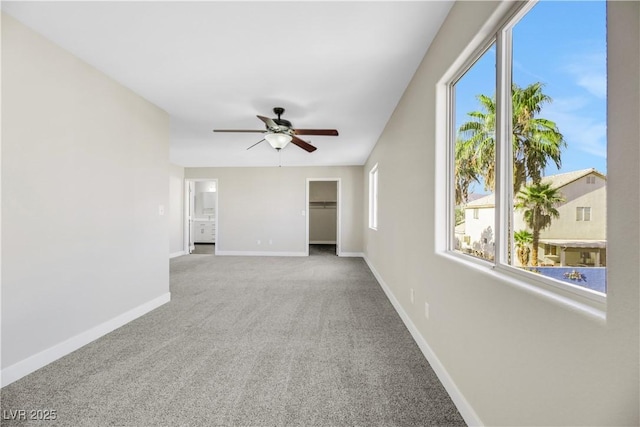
(323, 219)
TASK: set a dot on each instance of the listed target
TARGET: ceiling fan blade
(270, 123)
(322, 132)
(256, 143)
(303, 144)
(238, 130)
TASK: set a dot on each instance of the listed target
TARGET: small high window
(373, 198)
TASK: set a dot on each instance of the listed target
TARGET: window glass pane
(559, 143)
(474, 158)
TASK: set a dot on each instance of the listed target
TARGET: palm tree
(523, 239)
(536, 140)
(538, 202)
(465, 172)
(475, 147)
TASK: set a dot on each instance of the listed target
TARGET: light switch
(160, 210)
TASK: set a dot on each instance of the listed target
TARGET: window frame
(585, 299)
(373, 197)
(583, 213)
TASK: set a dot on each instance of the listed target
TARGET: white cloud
(589, 72)
(580, 131)
(581, 126)
(521, 69)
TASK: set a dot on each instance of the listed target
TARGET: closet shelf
(325, 204)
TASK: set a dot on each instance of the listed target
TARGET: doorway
(201, 216)
(323, 219)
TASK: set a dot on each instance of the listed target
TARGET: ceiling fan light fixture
(278, 140)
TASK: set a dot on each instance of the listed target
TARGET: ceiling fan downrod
(280, 121)
(278, 111)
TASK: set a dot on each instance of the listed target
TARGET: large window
(527, 148)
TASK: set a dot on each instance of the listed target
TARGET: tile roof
(562, 179)
(557, 181)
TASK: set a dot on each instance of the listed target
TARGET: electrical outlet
(259, 242)
(270, 241)
(426, 310)
(411, 296)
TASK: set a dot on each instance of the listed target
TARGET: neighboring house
(576, 238)
(476, 234)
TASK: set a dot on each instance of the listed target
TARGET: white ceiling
(339, 65)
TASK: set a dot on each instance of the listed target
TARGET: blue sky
(563, 45)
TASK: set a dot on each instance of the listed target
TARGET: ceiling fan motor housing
(281, 122)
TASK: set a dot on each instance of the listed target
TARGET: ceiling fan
(280, 132)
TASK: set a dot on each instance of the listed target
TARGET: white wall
(323, 191)
(266, 204)
(84, 172)
(512, 357)
(176, 210)
(322, 225)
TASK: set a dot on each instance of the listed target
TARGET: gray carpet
(322, 250)
(204, 248)
(255, 341)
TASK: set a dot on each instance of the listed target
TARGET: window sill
(590, 304)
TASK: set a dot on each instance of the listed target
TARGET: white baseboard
(259, 253)
(351, 254)
(33, 363)
(177, 254)
(465, 409)
(322, 242)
